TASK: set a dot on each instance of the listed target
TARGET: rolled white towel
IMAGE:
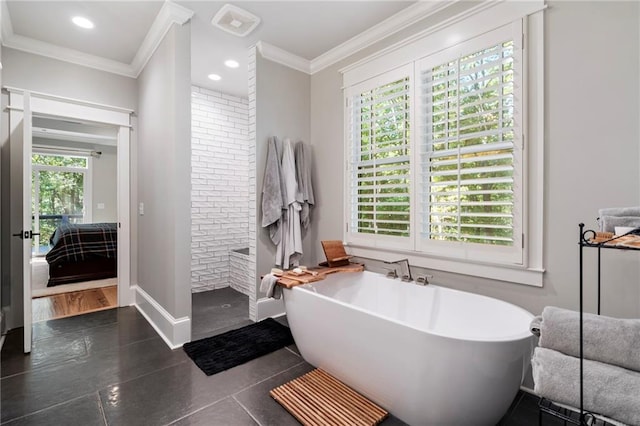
(608, 390)
(610, 340)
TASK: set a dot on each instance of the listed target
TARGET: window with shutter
(470, 151)
(436, 159)
(379, 166)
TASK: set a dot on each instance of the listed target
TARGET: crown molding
(474, 10)
(49, 50)
(169, 14)
(283, 57)
(378, 32)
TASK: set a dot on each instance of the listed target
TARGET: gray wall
(41, 74)
(282, 110)
(163, 174)
(105, 186)
(26, 71)
(592, 107)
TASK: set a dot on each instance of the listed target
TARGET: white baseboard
(174, 331)
(528, 390)
(269, 307)
(128, 295)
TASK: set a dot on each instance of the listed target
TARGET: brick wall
(240, 277)
(219, 185)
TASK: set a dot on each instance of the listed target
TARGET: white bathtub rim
(525, 335)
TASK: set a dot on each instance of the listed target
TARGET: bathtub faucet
(391, 272)
(407, 277)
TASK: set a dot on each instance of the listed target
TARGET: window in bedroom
(59, 194)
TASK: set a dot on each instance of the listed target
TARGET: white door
(27, 232)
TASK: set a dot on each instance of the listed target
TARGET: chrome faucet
(423, 279)
(407, 277)
(391, 272)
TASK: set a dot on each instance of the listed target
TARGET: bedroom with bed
(74, 192)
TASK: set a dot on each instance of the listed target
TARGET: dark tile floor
(111, 368)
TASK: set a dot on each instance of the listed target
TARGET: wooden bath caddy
(335, 253)
(289, 279)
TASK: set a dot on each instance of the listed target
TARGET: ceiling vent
(235, 20)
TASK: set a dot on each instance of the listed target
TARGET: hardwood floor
(74, 303)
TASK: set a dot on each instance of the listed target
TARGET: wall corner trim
(170, 13)
(281, 56)
(378, 32)
(174, 331)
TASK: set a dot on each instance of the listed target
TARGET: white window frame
(375, 240)
(466, 26)
(87, 213)
(469, 251)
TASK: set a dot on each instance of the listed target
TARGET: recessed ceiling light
(214, 77)
(231, 63)
(82, 22)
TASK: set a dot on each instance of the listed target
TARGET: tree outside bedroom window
(59, 194)
(448, 180)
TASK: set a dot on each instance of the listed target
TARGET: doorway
(74, 176)
(25, 109)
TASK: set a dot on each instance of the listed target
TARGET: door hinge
(523, 42)
(523, 141)
(522, 240)
(347, 225)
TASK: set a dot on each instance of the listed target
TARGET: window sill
(513, 274)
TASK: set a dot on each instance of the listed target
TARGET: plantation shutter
(470, 149)
(379, 158)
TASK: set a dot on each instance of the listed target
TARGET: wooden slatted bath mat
(319, 399)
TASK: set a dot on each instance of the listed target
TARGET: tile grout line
(144, 375)
(198, 410)
(91, 393)
(46, 408)
(101, 408)
(293, 352)
(233, 395)
(74, 359)
(246, 410)
(268, 378)
(80, 330)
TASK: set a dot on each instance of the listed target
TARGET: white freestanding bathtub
(428, 354)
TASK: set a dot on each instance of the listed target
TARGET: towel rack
(586, 239)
